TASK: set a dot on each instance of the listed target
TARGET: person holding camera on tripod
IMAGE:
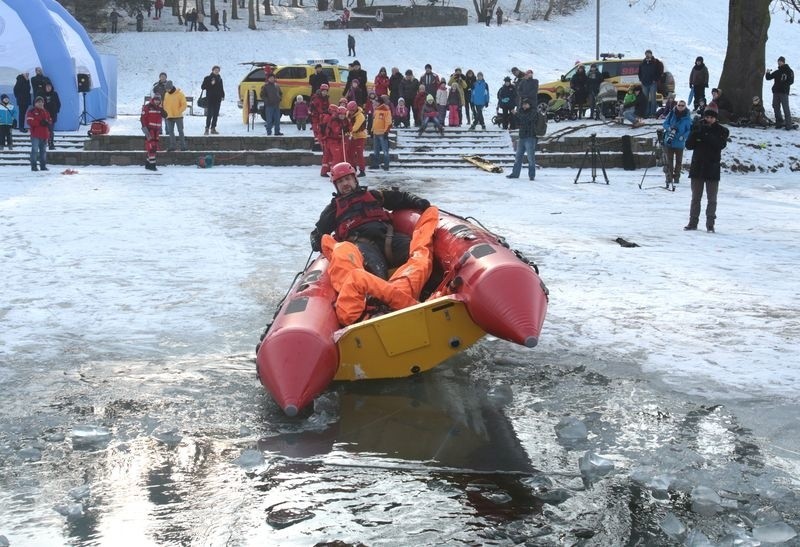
(707, 139)
(677, 127)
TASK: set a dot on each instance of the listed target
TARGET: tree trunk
(267, 7)
(251, 16)
(361, 3)
(234, 9)
(338, 5)
(176, 8)
(743, 72)
(185, 8)
(517, 6)
(295, 4)
(212, 8)
(481, 9)
(550, 7)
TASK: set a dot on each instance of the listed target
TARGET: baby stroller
(560, 108)
(606, 102)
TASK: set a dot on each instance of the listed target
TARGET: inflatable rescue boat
(478, 286)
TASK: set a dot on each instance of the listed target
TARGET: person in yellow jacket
(174, 105)
(381, 124)
(358, 137)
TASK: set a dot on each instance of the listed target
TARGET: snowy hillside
(549, 48)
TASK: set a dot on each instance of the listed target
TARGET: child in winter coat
(430, 114)
(454, 106)
(300, 112)
(6, 121)
(401, 114)
(441, 101)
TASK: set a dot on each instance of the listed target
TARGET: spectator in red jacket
(336, 136)
(152, 114)
(39, 121)
(381, 82)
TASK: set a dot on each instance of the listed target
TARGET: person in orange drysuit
(348, 271)
(361, 216)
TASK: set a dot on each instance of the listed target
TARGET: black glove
(316, 241)
(421, 204)
(44, 123)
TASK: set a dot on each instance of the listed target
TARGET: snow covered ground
(712, 313)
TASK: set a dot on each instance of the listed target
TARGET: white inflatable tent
(41, 33)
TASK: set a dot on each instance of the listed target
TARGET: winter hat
(3, 97)
(401, 100)
(38, 99)
(429, 99)
(155, 96)
(781, 59)
(711, 110)
(507, 79)
(168, 84)
(715, 90)
(699, 58)
(300, 99)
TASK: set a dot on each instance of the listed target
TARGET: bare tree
(484, 9)
(251, 15)
(234, 9)
(743, 69)
(338, 5)
(267, 7)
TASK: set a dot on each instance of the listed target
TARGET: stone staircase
(431, 150)
(21, 154)
(446, 151)
(408, 150)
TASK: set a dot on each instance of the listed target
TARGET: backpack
(790, 76)
(540, 125)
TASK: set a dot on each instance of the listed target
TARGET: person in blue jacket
(7, 114)
(479, 98)
(677, 126)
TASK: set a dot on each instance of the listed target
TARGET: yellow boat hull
(405, 342)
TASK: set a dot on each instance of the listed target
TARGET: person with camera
(39, 121)
(677, 127)
(707, 140)
(784, 78)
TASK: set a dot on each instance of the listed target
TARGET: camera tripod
(660, 160)
(594, 152)
(85, 117)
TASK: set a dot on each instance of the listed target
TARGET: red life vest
(357, 209)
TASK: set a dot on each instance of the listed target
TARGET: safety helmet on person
(341, 170)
